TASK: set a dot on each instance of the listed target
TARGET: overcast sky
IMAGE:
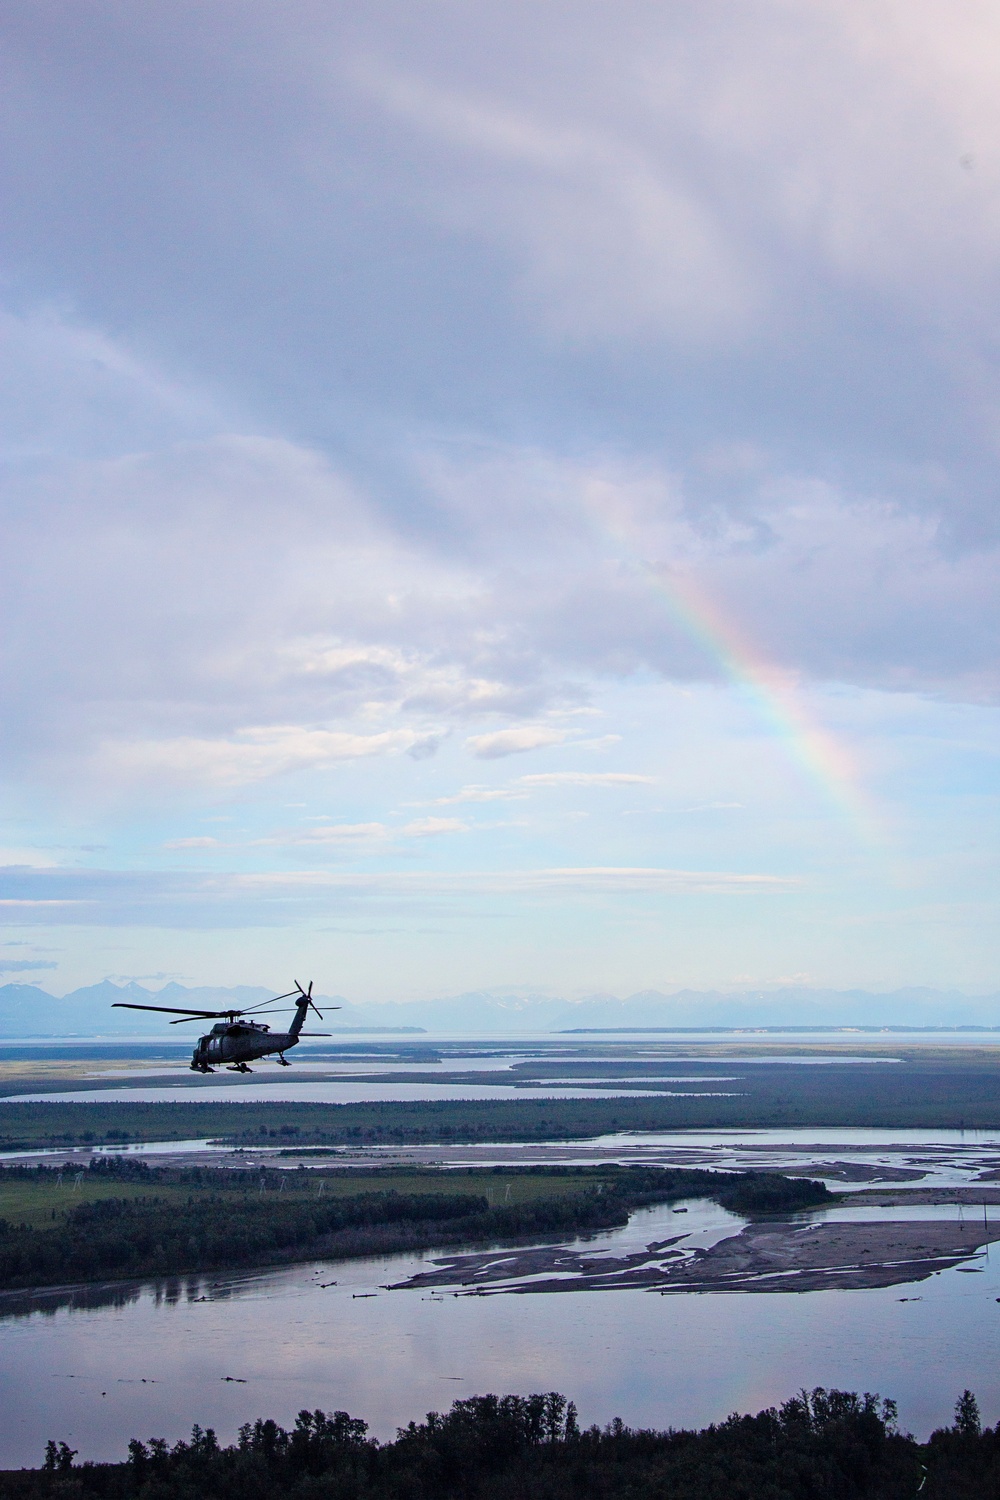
(500, 496)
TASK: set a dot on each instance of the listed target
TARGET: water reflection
(53, 1300)
(98, 1365)
(102, 1365)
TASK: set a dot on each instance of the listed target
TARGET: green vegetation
(757, 1193)
(935, 1090)
(820, 1443)
(37, 1196)
(128, 1220)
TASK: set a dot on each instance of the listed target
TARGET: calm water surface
(157, 1362)
(335, 1092)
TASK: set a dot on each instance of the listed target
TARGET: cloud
(401, 675)
(25, 965)
(585, 778)
(422, 828)
(805, 575)
(234, 611)
(660, 181)
(253, 755)
(235, 603)
(520, 789)
(780, 188)
(185, 900)
(357, 834)
(713, 807)
(479, 794)
(199, 842)
(60, 374)
(612, 241)
(513, 741)
(483, 374)
(27, 856)
(350, 834)
(355, 838)
(627, 880)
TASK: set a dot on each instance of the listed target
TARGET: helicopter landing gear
(238, 1068)
(201, 1068)
(283, 1061)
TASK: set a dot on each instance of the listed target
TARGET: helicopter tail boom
(301, 1011)
(303, 1005)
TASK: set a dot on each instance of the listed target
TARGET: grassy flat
(38, 1199)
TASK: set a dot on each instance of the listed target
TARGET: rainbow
(774, 692)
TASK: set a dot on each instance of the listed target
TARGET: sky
(500, 497)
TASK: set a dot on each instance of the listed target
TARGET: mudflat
(771, 1256)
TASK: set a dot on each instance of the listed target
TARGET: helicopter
(239, 1039)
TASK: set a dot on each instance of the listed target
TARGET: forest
(126, 1219)
(823, 1443)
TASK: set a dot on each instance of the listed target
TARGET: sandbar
(766, 1256)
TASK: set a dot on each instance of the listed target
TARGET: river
(153, 1359)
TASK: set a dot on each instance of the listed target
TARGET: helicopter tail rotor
(307, 995)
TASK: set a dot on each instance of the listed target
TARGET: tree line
(819, 1445)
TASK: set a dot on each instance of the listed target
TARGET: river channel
(105, 1365)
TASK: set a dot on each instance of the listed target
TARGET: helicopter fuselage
(239, 1042)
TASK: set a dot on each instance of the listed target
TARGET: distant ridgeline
(821, 1443)
(27, 1011)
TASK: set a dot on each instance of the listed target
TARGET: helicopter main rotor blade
(283, 1010)
(171, 1010)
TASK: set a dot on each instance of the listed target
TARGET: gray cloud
(475, 215)
(230, 611)
(412, 409)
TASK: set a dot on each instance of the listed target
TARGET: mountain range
(27, 1011)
